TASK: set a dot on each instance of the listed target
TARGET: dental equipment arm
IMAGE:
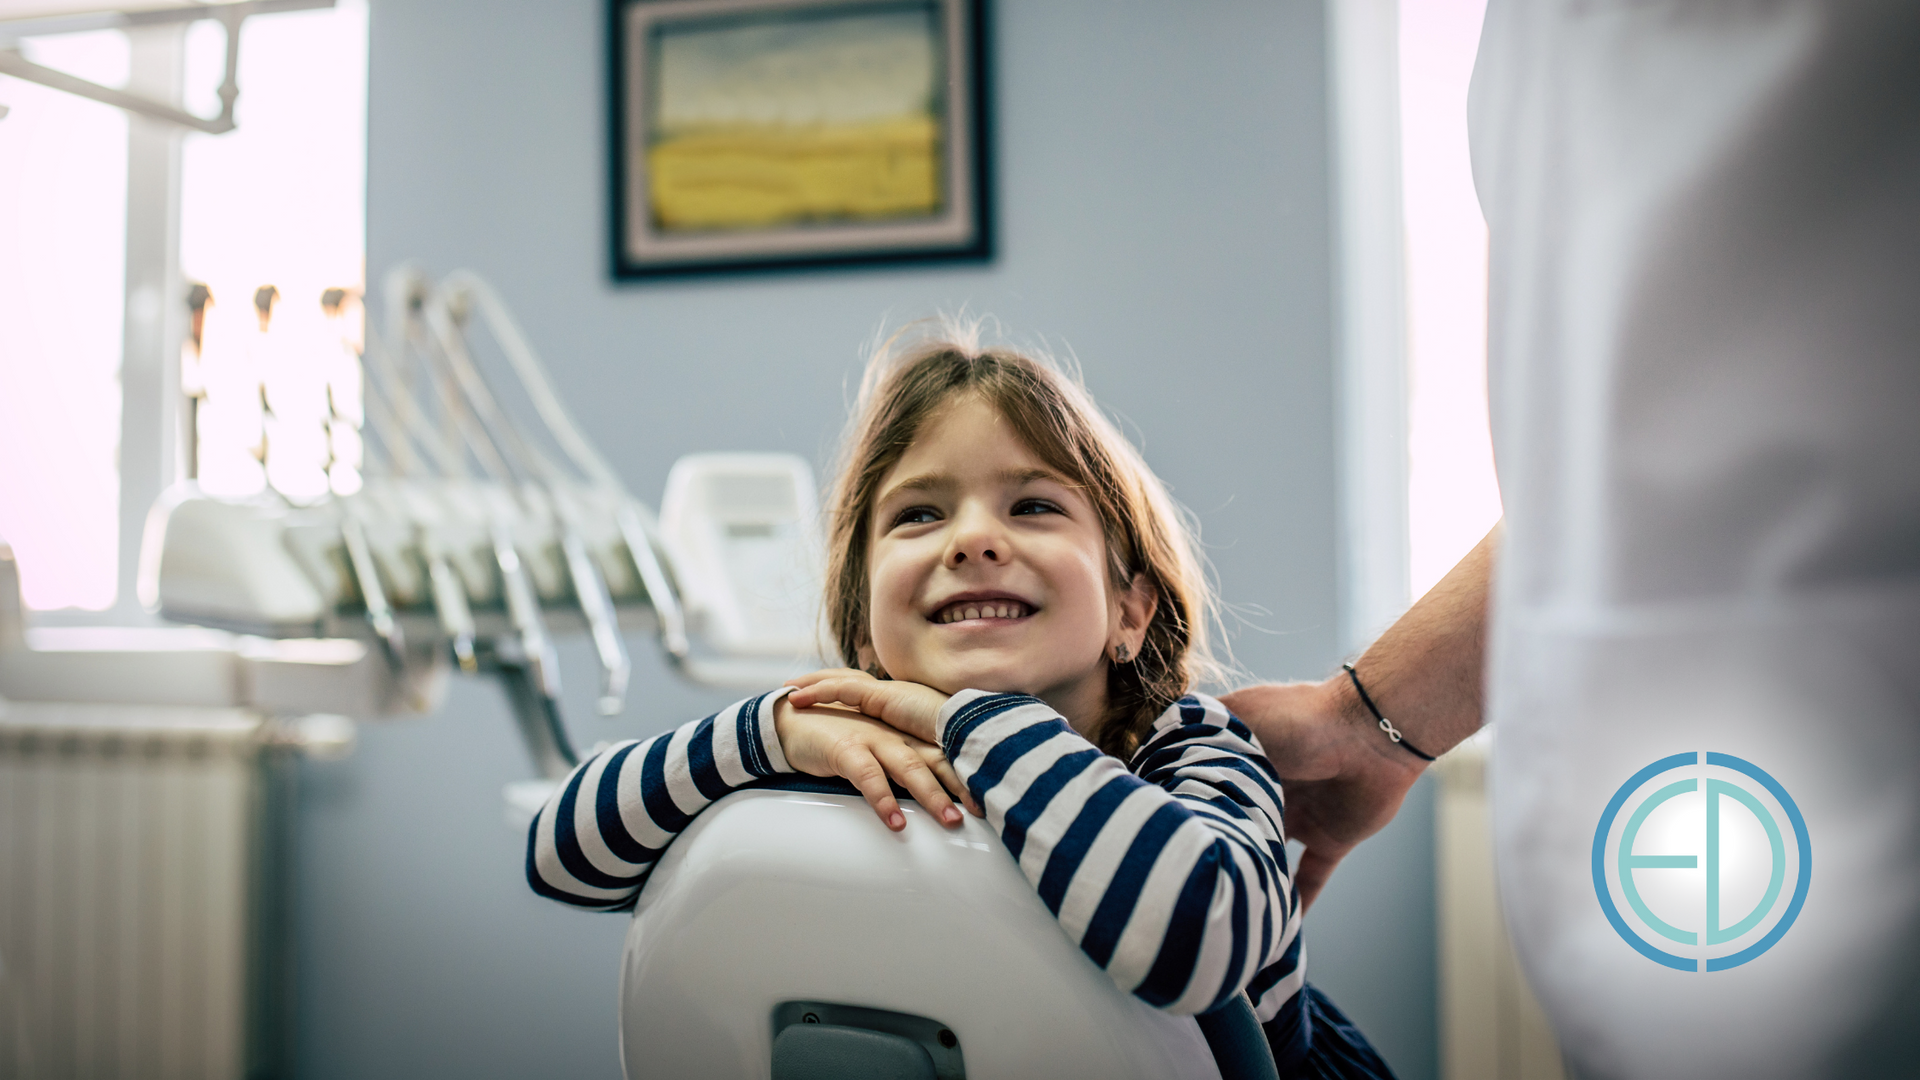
(1344, 778)
(461, 292)
(398, 438)
(444, 313)
(467, 540)
(635, 530)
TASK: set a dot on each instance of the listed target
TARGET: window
(277, 203)
(63, 209)
(1452, 495)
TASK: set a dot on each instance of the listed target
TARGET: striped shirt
(1170, 875)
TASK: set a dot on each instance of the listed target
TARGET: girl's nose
(977, 537)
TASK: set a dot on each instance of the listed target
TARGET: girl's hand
(829, 741)
(910, 707)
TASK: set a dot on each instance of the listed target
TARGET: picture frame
(762, 134)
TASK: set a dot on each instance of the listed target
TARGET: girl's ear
(1134, 606)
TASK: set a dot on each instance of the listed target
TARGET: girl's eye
(915, 515)
(1036, 506)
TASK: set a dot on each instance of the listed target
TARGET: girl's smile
(985, 608)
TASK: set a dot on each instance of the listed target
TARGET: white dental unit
(475, 546)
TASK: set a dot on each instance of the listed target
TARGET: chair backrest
(779, 904)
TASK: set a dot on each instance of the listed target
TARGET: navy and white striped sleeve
(1174, 881)
(597, 838)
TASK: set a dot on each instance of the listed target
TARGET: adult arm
(1344, 778)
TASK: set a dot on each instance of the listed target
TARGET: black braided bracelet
(1386, 725)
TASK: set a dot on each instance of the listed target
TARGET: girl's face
(988, 570)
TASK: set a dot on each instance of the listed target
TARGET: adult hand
(824, 740)
(1342, 779)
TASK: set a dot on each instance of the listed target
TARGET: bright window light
(278, 203)
(63, 239)
(1452, 495)
(274, 214)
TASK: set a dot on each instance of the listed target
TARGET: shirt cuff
(948, 711)
(968, 710)
(765, 733)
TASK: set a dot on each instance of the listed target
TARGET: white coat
(1705, 379)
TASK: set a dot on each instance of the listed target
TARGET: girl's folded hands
(823, 733)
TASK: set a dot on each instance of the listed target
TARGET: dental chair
(789, 934)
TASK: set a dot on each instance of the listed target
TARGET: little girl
(1024, 615)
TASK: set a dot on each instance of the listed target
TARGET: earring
(1120, 653)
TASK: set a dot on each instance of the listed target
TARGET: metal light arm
(229, 16)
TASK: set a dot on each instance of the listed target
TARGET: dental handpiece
(596, 603)
(533, 683)
(372, 593)
(523, 609)
(450, 604)
(653, 577)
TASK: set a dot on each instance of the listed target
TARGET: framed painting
(751, 134)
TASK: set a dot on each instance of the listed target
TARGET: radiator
(1491, 1027)
(141, 904)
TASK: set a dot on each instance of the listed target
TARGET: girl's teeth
(989, 611)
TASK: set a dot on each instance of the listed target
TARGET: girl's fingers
(867, 752)
(907, 707)
(827, 687)
(826, 673)
(950, 779)
(904, 764)
(866, 695)
(857, 763)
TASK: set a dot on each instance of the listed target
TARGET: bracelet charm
(1386, 725)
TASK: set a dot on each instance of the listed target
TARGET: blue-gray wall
(1163, 213)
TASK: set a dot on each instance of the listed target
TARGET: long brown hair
(921, 369)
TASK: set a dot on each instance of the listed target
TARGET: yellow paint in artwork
(742, 176)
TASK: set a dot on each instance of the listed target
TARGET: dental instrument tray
(475, 537)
